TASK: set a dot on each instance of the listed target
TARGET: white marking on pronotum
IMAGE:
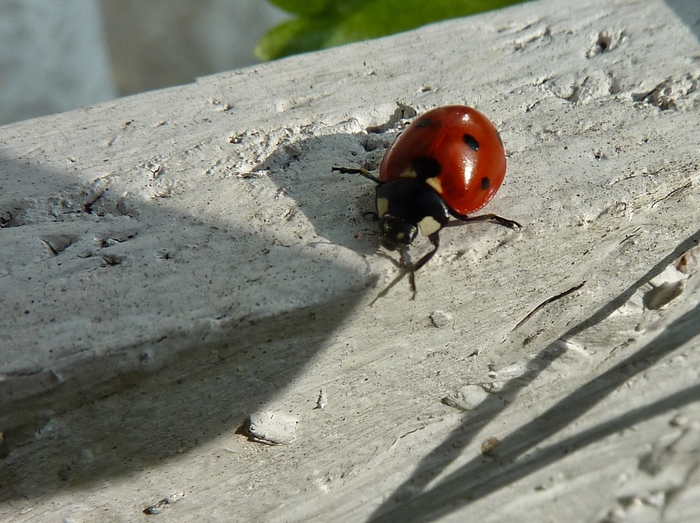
(382, 206)
(429, 225)
(434, 182)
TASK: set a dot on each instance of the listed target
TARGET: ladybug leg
(412, 268)
(406, 269)
(360, 171)
(500, 220)
(409, 269)
(403, 263)
(435, 240)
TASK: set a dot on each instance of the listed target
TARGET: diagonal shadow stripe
(476, 479)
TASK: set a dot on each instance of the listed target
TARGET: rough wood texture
(175, 262)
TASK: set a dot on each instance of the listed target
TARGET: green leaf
(293, 37)
(327, 23)
(305, 8)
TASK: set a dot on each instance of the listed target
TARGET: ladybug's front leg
(405, 262)
(411, 269)
(407, 268)
(435, 240)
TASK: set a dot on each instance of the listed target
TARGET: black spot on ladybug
(471, 142)
(485, 183)
(425, 122)
(426, 167)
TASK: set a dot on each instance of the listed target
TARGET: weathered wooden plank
(175, 261)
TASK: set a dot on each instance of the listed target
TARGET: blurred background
(56, 55)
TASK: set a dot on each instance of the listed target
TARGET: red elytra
(465, 145)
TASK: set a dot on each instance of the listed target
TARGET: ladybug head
(396, 232)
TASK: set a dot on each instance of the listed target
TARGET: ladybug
(446, 165)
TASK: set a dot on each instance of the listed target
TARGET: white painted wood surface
(174, 262)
